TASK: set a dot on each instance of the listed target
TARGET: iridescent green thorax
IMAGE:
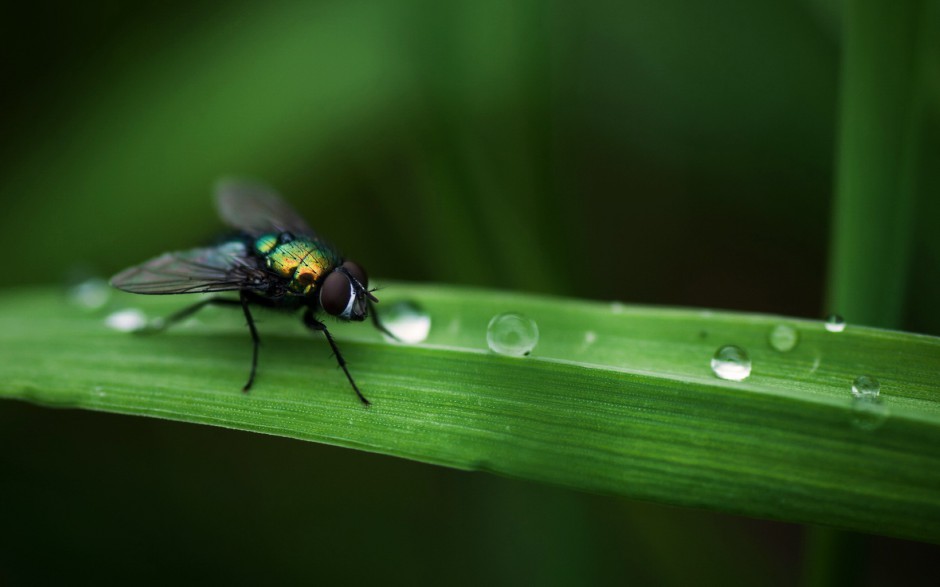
(301, 260)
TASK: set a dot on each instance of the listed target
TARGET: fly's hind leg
(256, 342)
(243, 300)
(161, 324)
(313, 324)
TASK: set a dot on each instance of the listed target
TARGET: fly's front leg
(312, 323)
(374, 316)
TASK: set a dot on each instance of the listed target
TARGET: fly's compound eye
(358, 272)
(336, 295)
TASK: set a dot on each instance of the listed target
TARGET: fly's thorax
(266, 243)
(300, 260)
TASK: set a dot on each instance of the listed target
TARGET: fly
(275, 260)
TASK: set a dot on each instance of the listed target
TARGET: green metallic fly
(274, 260)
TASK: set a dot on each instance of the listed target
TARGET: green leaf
(614, 399)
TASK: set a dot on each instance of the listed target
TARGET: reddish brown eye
(358, 272)
(334, 293)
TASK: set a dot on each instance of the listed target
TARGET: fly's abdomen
(302, 261)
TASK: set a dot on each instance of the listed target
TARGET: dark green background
(671, 152)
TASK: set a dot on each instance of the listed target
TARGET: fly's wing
(224, 268)
(257, 209)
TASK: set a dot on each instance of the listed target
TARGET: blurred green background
(672, 153)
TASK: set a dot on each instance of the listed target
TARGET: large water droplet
(406, 320)
(90, 294)
(512, 334)
(865, 386)
(784, 338)
(732, 363)
(126, 320)
(835, 323)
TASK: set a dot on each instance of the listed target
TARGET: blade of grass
(880, 123)
(614, 399)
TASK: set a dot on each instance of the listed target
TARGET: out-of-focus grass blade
(615, 399)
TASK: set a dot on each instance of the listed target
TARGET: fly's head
(345, 294)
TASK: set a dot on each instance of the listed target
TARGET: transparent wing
(257, 209)
(223, 268)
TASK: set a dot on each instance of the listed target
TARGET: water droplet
(835, 323)
(732, 363)
(616, 307)
(784, 338)
(868, 412)
(126, 320)
(90, 294)
(406, 320)
(590, 337)
(512, 334)
(865, 386)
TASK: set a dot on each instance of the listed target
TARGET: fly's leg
(243, 300)
(256, 342)
(313, 324)
(374, 316)
(161, 324)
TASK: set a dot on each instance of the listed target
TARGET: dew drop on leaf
(835, 323)
(90, 294)
(406, 320)
(865, 386)
(512, 334)
(784, 338)
(732, 363)
(126, 320)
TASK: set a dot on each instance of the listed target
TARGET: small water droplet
(868, 412)
(835, 323)
(784, 338)
(90, 294)
(406, 320)
(126, 320)
(865, 386)
(732, 363)
(512, 334)
(100, 392)
(590, 337)
(616, 307)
